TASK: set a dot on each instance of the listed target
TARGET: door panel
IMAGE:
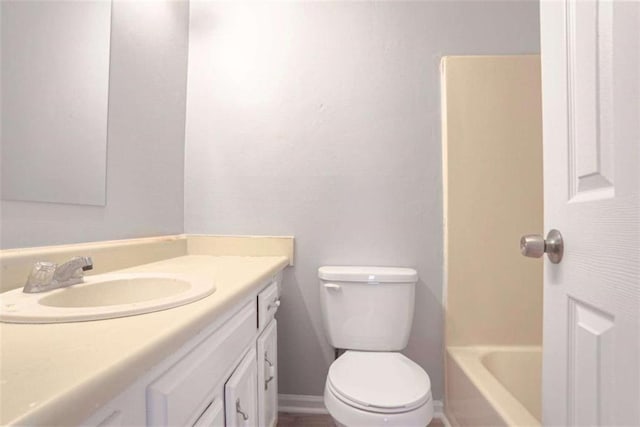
(591, 359)
(591, 134)
(590, 87)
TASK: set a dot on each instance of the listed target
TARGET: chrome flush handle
(534, 246)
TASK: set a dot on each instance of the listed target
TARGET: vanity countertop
(53, 374)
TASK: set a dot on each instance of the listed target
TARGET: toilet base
(347, 416)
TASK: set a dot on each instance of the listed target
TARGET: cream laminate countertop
(59, 374)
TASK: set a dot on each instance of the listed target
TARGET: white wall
(321, 120)
(145, 147)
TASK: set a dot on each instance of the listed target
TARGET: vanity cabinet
(226, 376)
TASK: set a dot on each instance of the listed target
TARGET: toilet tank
(367, 308)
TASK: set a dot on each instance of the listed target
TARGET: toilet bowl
(370, 389)
(368, 311)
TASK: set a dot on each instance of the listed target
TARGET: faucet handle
(46, 276)
(40, 277)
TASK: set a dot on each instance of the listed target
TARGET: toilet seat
(381, 382)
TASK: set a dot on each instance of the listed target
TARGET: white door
(240, 394)
(591, 116)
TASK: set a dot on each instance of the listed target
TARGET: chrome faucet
(46, 276)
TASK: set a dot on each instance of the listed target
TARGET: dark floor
(313, 420)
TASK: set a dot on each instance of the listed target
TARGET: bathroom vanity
(212, 362)
(225, 376)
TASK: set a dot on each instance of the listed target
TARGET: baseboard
(302, 404)
(438, 412)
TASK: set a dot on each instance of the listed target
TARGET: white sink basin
(103, 296)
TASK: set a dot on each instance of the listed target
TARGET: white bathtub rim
(469, 360)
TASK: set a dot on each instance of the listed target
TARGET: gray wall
(322, 121)
(145, 148)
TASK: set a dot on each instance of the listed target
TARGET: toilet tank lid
(368, 274)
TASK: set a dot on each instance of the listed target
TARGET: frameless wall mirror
(55, 84)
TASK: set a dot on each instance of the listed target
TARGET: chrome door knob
(534, 246)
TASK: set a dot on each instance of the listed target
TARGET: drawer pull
(271, 370)
(245, 417)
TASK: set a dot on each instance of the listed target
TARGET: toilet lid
(381, 380)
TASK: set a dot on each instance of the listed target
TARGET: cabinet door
(213, 416)
(180, 394)
(240, 394)
(267, 348)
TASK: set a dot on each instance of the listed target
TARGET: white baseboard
(301, 404)
(438, 412)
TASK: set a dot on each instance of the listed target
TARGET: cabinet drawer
(179, 396)
(268, 303)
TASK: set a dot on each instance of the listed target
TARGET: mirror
(55, 84)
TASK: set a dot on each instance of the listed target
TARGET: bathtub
(493, 385)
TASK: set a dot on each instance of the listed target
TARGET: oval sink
(103, 296)
(117, 291)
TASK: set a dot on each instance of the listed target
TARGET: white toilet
(368, 312)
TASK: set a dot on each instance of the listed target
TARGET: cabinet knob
(274, 304)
